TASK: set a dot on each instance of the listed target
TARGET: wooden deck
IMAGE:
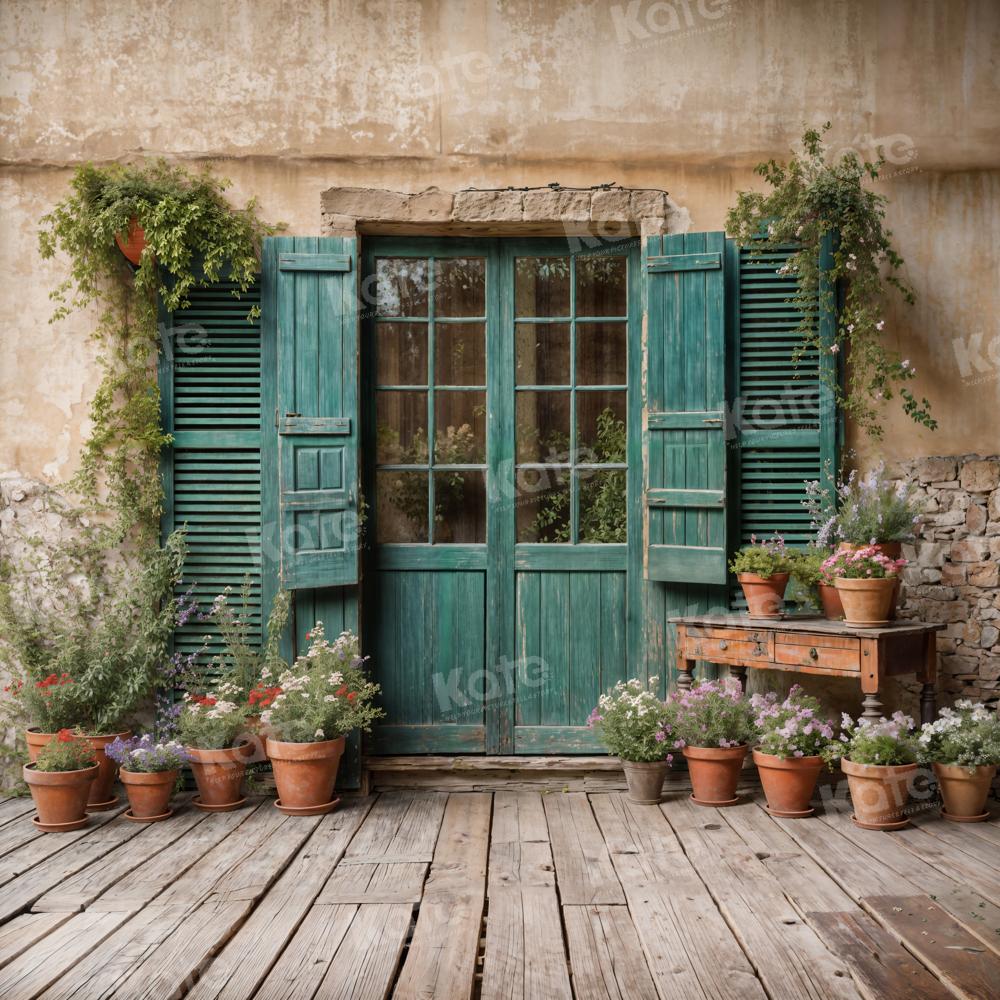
(504, 894)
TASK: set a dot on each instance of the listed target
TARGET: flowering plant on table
(886, 742)
(324, 694)
(633, 722)
(966, 736)
(711, 714)
(864, 563)
(143, 754)
(794, 727)
(212, 722)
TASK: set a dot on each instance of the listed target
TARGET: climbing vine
(810, 201)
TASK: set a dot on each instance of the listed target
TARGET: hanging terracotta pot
(965, 791)
(132, 244)
(788, 783)
(891, 550)
(60, 797)
(765, 594)
(305, 774)
(830, 602)
(645, 779)
(219, 776)
(148, 794)
(879, 793)
(715, 773)
(866, 601)
(102, 791)
(36, 740)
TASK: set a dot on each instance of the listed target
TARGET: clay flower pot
(765, 594)
(101, 792)
(305, 774)
(866, 602)
(830, 602)
(148, 793)
(891, 550)
(879, 793)
(788, 783)
(36, 741)
(132, 244)
(60, 797)
(715, 773)
(964, 791)
(645, 779)
(219, 776)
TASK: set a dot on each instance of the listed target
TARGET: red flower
(65, 736)
(352, 696)
(341, 691)
(203, 699)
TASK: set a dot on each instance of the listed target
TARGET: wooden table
(813, 645)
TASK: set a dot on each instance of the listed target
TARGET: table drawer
(824, 652)
(729, 645)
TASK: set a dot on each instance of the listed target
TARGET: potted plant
(879, 757)
(963, 746)
(60, 780)
(789, 754)
(148, 769)
(763, 571)
(807, 571)
(714, 724)
(633, 724)
(866, 581)
(213, 731)
(322, 697)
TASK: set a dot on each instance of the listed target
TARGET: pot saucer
(147, 819)
(326, 807)
(900, 825)
(981, 818)
(790, 813)
(717, 805)
(225, 807)
(76, 824)
(96, 807)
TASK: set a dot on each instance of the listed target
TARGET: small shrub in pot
(763, 570)
(149, 772)
(60, 781)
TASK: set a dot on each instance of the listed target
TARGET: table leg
(928, 693)
(872, 706)
(740, 674)
(871, 678)
(685, 672)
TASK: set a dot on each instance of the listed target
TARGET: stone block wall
(954, 571)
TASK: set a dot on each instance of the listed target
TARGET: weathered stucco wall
(292, 98)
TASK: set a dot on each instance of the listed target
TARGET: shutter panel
(317, 414)
(685, 433)
(788, 419)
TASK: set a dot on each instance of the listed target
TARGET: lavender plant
(145, 754)
(632, 722)
(711, 714)
(794, 727)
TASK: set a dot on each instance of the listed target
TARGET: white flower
(834, 348)
(318, 734)
(880, 324)
(330, 697)
(906, 363)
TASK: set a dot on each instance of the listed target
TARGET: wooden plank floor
(503, 895)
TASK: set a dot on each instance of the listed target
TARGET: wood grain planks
(400, 829)
(581, 857)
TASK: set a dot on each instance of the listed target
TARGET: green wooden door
(497, 383)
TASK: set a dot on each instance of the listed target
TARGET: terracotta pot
(305, 773)
(964, 791)
(715, 773)
(879, 793)
(36, 740)
(765, 594)
(645, 779)
(134, 243)
(149, 792)
(219, 775)
(60, 796)
(101, 792)
(891, 549)
(788, 783)
(866, 602)
(830, 602)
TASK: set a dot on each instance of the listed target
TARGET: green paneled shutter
(317, 414)
(685, 403)
(210, 380)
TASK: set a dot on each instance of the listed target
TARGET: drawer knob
(813, 654)
(723, 644)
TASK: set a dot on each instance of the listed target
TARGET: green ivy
(809, 201)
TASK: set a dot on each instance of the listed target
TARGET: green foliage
(213, 722)
(68, 751)
(242, 663)
(630, 720)
(886, 742)
(764, 558)
(325, 694)
(794, 727)
(712, 714)
(966, 736)
(809, 201)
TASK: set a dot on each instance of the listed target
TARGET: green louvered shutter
(788, 425)
(210, 383)
(317, 411)
(685, 403)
